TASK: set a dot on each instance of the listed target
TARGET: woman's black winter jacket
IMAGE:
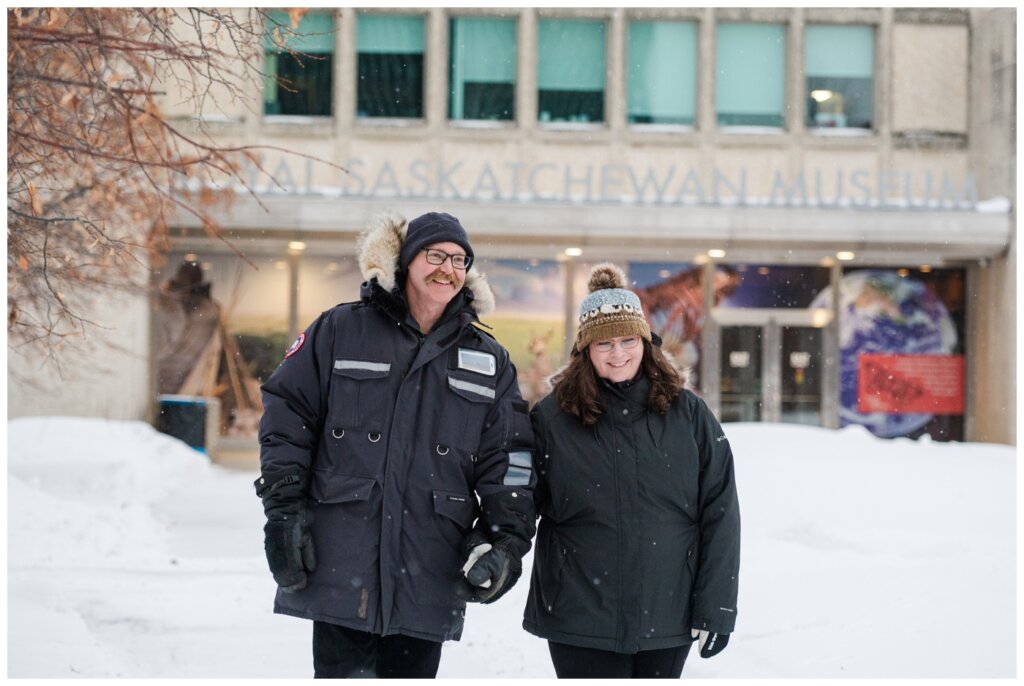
(639, 536)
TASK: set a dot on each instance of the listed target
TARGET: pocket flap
(362, 369)
(471, 390)
(456, 506)
(329, 487)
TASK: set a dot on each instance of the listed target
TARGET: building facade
(817, 206)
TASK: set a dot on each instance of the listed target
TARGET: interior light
(763, 271)
(821, 95)
(845, 255)
(702, 259)
(296, 245)
(826, 262)
(716, 253)
(573, 252)
(664, 273)
(820, 317)
(191, 257)
(925, 268)
(904, 273)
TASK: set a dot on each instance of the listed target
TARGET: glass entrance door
(801, 375)
(741, 374)
(771, 373)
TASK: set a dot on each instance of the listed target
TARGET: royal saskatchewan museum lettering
(625, 184)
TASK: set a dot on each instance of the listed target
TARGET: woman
(638, 545)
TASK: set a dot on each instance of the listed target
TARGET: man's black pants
(342, 653)
(572, 662)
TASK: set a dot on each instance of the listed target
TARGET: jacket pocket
(465, 411)
(360, 396)
(550, 564)
(691, 581)
(457, 507)
(456, 512)
(330, 488)
(471, 389)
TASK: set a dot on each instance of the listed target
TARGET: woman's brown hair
(576, 388)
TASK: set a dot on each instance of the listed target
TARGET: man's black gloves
(289, 552)
(711, 643)
(287, 542)
(489, 571)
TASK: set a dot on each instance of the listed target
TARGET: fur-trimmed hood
(378, 251)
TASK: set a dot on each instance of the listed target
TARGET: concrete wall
(993, 110)
(105, 375)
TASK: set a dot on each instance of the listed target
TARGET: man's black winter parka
(639, 534)
(398, 433)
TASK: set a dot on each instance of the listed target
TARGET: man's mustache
(443, 277)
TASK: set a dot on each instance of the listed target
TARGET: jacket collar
(634, 392)
(394, 304)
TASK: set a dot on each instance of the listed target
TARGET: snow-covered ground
(129, 555)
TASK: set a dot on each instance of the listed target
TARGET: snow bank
(129, 555)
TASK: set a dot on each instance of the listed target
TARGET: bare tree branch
(95, 168)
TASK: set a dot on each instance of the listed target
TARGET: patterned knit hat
(610, 311)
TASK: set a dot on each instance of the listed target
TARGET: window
(750, 68)
(390, 66)
(662, 72)
(482, 62)
(839, 64)
(570, 71)
(529, 319)
(303, 80)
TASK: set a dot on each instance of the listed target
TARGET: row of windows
(661, 73)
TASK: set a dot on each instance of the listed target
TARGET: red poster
(906, 384)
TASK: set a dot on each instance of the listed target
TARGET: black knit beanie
(431, 228)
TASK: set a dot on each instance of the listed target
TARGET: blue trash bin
(185, 418)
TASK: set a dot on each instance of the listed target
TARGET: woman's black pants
(572, 662)
(342, 653)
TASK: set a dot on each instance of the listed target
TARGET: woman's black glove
(286, 537)
(711, 642)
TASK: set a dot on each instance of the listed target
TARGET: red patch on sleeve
(295, 346)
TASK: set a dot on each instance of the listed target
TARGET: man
(384, 424)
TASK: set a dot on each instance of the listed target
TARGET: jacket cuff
(722, 620)
(508, 519)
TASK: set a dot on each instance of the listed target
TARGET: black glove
(711, 642)
(289, 552)
(489, 571)
(287, 542)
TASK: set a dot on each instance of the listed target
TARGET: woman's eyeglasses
(437, 257)
(627, 343)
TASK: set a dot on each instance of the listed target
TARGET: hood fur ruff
(380, 246)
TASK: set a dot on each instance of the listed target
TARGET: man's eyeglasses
(437, 257)
(627, 343)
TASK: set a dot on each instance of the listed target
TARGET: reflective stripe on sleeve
(521, 458)
(516, 476)
(520, 468)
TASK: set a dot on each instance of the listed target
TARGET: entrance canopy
(637, 232)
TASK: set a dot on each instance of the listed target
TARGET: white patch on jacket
(378, 251)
